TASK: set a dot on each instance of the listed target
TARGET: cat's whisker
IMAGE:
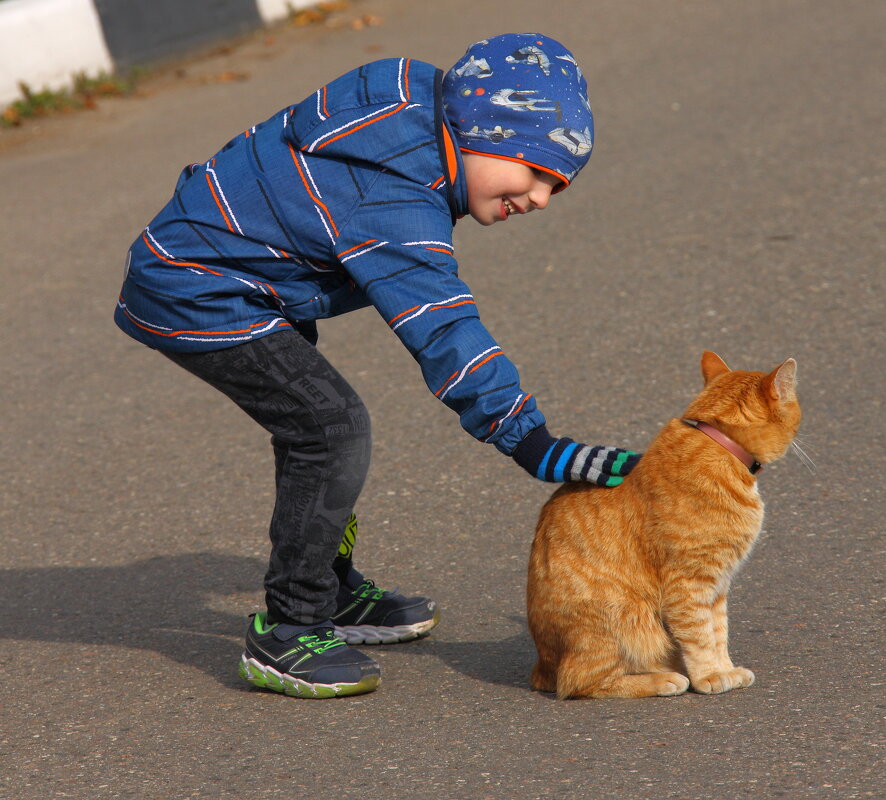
(803, 456)
(804, 444)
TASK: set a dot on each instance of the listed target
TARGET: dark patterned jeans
(320, 433)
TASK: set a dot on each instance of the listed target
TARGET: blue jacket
(345, 200)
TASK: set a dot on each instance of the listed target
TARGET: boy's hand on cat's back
(558, 460)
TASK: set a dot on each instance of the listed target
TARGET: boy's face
(498, 188)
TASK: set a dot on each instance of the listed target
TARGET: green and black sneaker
(305, 661)
(366, 614)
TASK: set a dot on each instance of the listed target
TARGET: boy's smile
(499, 188)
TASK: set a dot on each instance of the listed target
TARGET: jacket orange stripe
(439, 250)
(194, 264)
(515, 411)
(488, 358)
(403, 314)
(474, 368)
(198, 333)
(448, 381)
(437, 182)
(368, 122)
(435, 308)
(406, 77)
(357, 247)
(215, 197)
(304, 180)
(451, 158)
(177, 263)
(462, 303)
(325, 112)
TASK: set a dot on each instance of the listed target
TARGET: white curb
(44, 42)
(275, 10)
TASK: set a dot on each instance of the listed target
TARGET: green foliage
(83, 94)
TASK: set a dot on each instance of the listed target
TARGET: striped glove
(559, 460)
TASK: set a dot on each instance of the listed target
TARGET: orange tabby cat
(627, 586)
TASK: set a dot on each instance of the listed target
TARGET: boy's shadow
(159, 604)
(165, 605)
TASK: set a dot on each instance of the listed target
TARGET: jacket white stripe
(442, 244)
(325, 225)
(221, 192)
(427, 306)
(271, 324)
(142, 321)
(158, 245)
(465, 370)
(400, 80)
(362, 252)
(510, 411)
(307, 170)
(312, 145)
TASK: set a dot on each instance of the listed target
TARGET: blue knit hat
(522, 97)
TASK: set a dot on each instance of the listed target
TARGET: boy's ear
(712, 366)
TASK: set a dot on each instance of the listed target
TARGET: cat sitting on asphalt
(627, 587)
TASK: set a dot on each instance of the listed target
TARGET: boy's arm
(403, 261)
(414, 286)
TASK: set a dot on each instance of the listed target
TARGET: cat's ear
(712, 366)
(781, 383)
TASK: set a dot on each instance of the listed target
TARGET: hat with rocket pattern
(522, 97)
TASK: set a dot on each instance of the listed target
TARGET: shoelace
(318, 645)
(368, 588)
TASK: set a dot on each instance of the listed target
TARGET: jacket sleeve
(399, 252)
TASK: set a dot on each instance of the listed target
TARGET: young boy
(345, 200)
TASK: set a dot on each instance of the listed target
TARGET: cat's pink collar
(722, 439)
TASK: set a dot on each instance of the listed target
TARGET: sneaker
(370, 615)
(304, 661)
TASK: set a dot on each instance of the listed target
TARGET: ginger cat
(627, 586)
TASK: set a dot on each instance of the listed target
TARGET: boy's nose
(539, 197)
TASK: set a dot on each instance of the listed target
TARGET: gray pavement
(734, 202)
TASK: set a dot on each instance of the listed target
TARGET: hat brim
(564, 182)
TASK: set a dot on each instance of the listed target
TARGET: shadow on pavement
(160, 604)
(506, 662)
(166, 605)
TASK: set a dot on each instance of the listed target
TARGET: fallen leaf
(12, 117)
(309, 16)
(230, 75)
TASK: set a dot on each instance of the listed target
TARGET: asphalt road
(734, 202)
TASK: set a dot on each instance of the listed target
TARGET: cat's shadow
(506, 662)
(171, 605)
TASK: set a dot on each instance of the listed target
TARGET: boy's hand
(558, 460)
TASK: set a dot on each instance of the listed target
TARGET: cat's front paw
(719, 682)
(670, 684)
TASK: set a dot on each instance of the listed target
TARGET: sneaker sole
(380, 634)
(264, 677)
